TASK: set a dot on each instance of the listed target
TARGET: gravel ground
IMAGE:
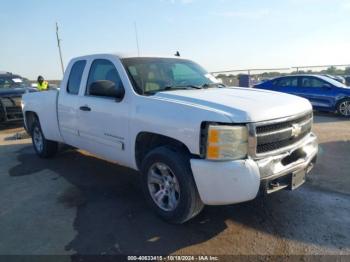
(78, 204)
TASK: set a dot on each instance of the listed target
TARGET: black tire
(189, 203)
(339, 107)
(48, 148)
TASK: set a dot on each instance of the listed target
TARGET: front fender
(180, 122)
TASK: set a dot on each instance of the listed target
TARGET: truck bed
(46, 109)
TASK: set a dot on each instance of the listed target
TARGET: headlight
(227, 142)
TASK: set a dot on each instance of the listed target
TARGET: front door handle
(85, 108)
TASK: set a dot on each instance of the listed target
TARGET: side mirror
(106, 88)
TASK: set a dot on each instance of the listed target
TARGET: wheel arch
(342, 99)
(147, 141)
(29, 118)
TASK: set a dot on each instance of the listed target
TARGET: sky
(218, 34)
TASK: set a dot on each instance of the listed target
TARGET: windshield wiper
(167, 88)
(181, 87)
(207, 85)
(173, 88)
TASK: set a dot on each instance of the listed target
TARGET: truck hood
(241, 105)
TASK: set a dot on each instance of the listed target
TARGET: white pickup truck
(195, 141)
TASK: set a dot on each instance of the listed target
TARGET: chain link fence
(250, 77)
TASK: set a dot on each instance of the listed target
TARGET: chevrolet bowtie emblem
(296, 130)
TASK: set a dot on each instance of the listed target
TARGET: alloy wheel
(163, 186)
(38, 139)
(344, 108)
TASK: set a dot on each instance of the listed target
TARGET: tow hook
(274, 184)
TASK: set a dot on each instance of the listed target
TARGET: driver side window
(102, 69)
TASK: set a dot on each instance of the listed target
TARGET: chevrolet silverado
(195, 141)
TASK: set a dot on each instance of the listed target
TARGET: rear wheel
(344, 108)
(43, 147)
(169, 185)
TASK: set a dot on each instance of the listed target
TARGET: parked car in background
(324, 93)
(347, 80)
(12, 87)
(340, 79)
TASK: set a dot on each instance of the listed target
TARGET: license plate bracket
(298, 178)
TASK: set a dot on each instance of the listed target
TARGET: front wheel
(43, 147)
(169, 185)
(344, 108)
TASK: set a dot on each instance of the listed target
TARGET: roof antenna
(137, 39)
(177, 54)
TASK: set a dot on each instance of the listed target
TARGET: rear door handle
(85, 108)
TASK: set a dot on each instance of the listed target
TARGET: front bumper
(230, 182)
(273, 170)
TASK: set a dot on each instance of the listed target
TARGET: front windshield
(13, 81)
(151, 75)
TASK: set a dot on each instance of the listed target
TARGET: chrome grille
(281, 134)
(282, 125)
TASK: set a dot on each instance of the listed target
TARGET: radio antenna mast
(59, 48)
(137, 39)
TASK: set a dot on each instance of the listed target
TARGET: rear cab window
(75, 77)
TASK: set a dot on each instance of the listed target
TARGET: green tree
(331, 70)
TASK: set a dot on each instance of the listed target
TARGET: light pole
(59, 48)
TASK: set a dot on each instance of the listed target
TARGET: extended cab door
(67, 105)
(103, 121)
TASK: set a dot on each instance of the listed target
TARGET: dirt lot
(79, 204)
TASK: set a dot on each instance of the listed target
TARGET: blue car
(324, 93)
